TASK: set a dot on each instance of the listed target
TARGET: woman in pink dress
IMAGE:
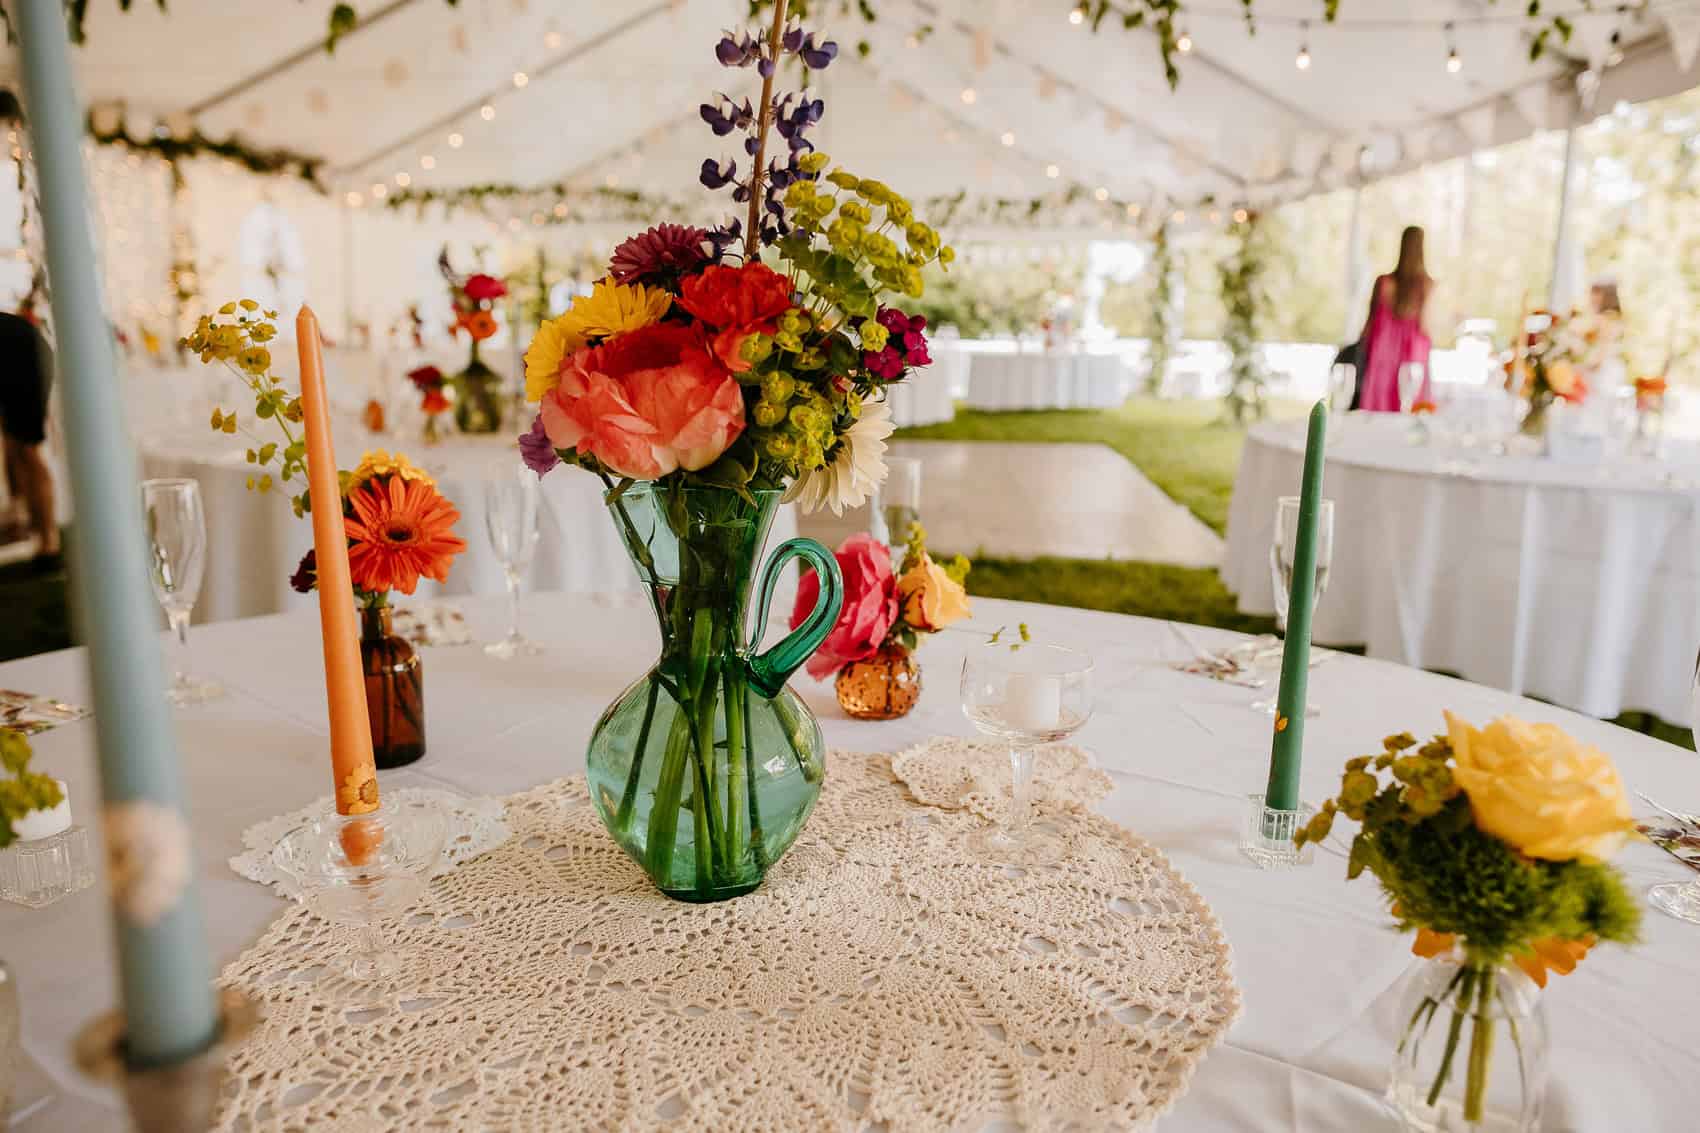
(1393, 334)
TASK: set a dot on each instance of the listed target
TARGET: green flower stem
(737, 774)
(758, 842)
(700, 800)
(795, 737)
(628, 799)
(669, 786)
(1467, 989)
(1481, 1047)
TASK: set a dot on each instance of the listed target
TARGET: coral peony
(870, 605)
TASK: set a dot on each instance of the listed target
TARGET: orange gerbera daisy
(400, 530)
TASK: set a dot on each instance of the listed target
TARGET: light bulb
(1077, 17)
(1241, 216)
(1179, 216)
(403, 180)
(1008, 138)
(521, 78)
(969, 95)
(1302, 59)
(426, 161)
(560, 209)
(1100, 194)
(456, 141)
(1133, 212)
(1052, 172)
(552, 39)
(379, 190)
(354, 199)
(1183, 42)
(487, 112)
(1453, 63)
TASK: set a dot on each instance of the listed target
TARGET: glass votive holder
(1267, 837)
(41, 871)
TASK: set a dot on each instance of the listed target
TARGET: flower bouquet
(886, 613)
(434, 400)
(702, 385)
(1491, 844)
(477, 403)
(400, 527)
(1556, 359)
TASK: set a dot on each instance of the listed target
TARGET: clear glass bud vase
(1473, 1052)
(706, 768)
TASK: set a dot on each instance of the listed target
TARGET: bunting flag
(1682, 25)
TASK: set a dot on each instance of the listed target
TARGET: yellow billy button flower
(262, 332)
(813, 162)
(873, 335)
(767, 414)
(778, 387)
(255, 360)
(844, 179)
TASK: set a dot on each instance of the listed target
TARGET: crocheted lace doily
(975, 775)
(880, 975)
(475, 826)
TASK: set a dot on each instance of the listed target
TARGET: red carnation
(737, 302)
(481, 287)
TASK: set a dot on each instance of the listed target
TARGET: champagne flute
(900, 500)
(511, 499)
(1412, 375)
(1342, 386)
(1281, 554)
(1026, 695)
(177, 555)
(1676, 898)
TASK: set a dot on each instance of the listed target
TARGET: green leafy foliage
(1241, 296)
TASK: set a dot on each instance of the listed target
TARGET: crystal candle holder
(41, 871)
(1267, 837)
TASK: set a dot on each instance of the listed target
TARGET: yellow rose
(1561, 376)
(1543, 792)
(931, 598)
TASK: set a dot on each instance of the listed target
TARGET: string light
(456, 141)
(1078, 16)
(1008, 138)
(426, 161)
(552, 39)
(487, 112)
(1052, 172)
(521, 78)
(969, 95)
(1132, 211)
(354, 199)
(1100, 194)
(612, 181)
(1454, 64)
(379, 190)
(1178, 216)
(1183, 42)
(1241, 216)
(403, 180)
(560, 210)
(1215, 216)
(911, 40)
(1302, 59)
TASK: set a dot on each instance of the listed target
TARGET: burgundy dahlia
(660, 255)
(306, 575)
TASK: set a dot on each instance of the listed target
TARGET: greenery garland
(557, 202)
(1162, 311)
(172, 148)
(1239, 276)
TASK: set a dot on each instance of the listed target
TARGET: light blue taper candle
(164, 970)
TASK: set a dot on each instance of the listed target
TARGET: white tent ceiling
(612, 87)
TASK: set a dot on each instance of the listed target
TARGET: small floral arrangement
(1650, 392)
(21, 790)
(400, 528)
(1492, 842)
(430, 383)
(695, 366)
(1558, 358)
(474, 297)
(884, 608)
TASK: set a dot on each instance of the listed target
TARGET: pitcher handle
(770, 669)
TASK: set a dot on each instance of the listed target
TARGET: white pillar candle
(1032, 702)
(38, 824)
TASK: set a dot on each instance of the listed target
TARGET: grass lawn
(1184, 447)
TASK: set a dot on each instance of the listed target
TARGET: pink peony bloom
(870, 605)
(590, 412)
(696, 407)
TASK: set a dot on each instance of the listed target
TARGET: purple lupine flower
(716, 176)
(725, 236)
(764, 67)
(737, 51)
(817, 57)
(793, 38)
(535, 449)
(720, 123)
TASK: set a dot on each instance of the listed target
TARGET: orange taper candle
(352, 768)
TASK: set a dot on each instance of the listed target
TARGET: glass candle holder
(41, 871)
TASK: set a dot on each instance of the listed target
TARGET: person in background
(1393, 333)
(24, 370)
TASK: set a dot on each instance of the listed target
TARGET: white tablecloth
(923, 399)
(1003, 375)
(1578, 584)
(254, 541)
(1313, 955)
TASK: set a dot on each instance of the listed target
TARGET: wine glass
(363, 870)
(1026, 695)
(177, 556)
(1281, 553)
(1342, 387)
(511, 499)
(1675, 898)
(900, 500)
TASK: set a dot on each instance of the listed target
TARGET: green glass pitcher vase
(707, 767)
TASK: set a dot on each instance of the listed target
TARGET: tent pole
(1562, 235)
(1354, 266)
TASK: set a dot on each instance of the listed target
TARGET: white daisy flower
(857, 466)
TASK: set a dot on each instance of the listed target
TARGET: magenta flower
(660, 254)
(535, 449)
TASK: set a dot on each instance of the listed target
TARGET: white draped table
(254, 541)
(1313, 957)
(1575, 583)
(1007, 375)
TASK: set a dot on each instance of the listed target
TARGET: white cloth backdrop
(254, 541)
(1579, 584)
(1319, 970)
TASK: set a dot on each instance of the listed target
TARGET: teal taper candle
(164, 969)
(1287, 751)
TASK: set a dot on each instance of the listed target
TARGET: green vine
(173, 149)
(1240, 275)
(1162, 311)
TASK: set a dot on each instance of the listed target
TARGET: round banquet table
(1575, 583)
(1315, 961)
(254, 541)
(1006, 375)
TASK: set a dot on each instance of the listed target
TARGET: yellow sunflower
(380, 463)
(609, 309)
